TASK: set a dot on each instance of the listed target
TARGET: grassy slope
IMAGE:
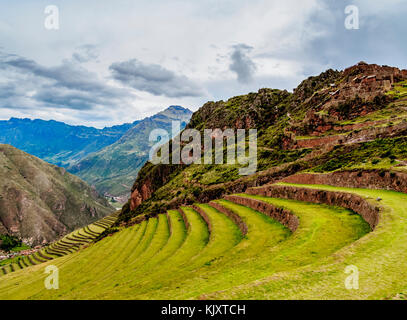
(383, 273)
(275, 114)
(118, 267)
(13, 264)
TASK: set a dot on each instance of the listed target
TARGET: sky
(111, 62)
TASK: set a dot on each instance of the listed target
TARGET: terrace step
(259, 244)
(66, 245)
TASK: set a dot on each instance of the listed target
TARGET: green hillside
(178, 256)
(337, 120)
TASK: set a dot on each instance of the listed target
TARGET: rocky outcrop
(368, 211)
(150, 179)
(253, 110)
(138, 195)
(369, 179)
(363, 135)
(282, 215)
(358, 91)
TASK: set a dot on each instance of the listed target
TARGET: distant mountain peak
(178, 108)
(174, 113)
(114, 168)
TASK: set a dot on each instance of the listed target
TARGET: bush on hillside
(7, 242)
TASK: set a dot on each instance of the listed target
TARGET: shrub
(7, 242)
(107, 232)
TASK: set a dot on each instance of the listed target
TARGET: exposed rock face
(40, 202)
(369, 179)
(153, 178)
(361, 90)
(368, 211)
(363, 135)
(139, 195)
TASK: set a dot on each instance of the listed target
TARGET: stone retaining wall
(368, 211)
(184, 217)
(369, 179)
(169, 222)
(204, 216)
(364, 135)
(232, 216)
(318, 142)
(283, 216)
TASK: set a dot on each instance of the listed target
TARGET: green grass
(377, 255)
(64, 246)
(399, 91)
(155, 261)
(386, 151)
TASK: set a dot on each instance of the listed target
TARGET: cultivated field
(235, 252)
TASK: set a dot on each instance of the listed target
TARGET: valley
(108, 159)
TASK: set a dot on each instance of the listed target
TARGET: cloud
(27, 84)
(85, 53)
(377, 41)
(241, 64)
(291, 40)
(154, 79)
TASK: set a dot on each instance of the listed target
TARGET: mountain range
(57, 142)
(107, 158)
(113, 169)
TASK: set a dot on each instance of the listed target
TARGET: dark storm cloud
(67, 85)
(154, 79)
(241, 64)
